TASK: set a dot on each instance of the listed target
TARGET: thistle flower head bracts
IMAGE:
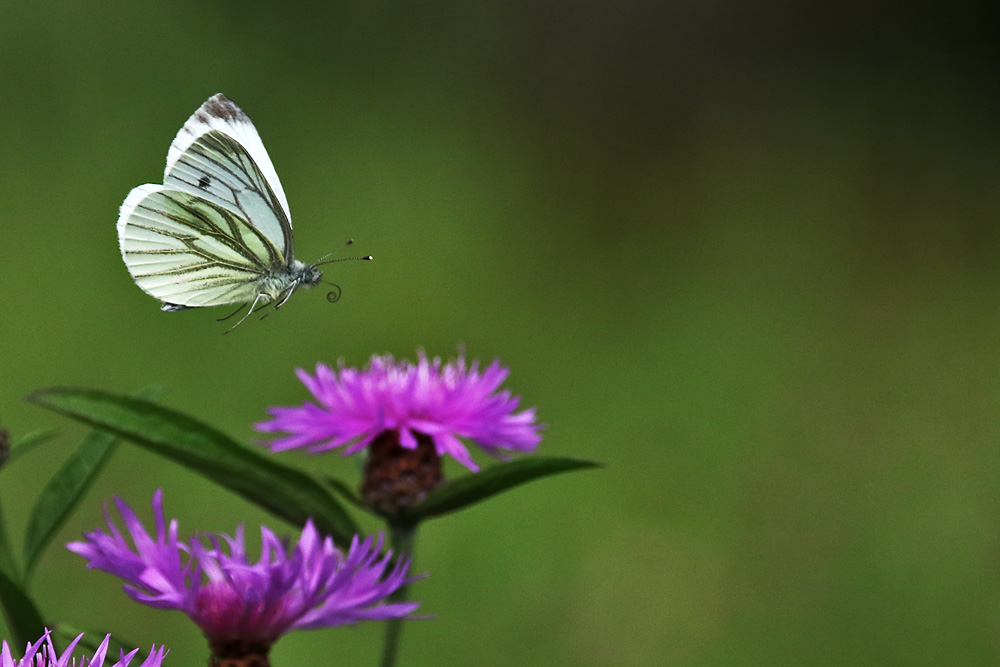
(242, 606)
(43, 654)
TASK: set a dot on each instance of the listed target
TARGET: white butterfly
(218, 231)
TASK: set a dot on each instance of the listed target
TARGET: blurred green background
(745, 253)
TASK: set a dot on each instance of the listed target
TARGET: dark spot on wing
(203, 182)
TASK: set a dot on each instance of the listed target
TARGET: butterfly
(218, 231)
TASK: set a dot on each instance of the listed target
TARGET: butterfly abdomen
(278, 284)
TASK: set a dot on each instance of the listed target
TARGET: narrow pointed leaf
(474, 488)
(286, 492)
(25, 443)
(23, 618)
(65, 489)
(63, 492)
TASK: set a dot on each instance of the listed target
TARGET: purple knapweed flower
(43, 654)
(444, 402)
(243, 606)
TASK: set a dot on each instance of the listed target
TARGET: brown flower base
(236, 653)
(397, 478)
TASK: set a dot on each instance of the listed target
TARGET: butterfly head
(309, 276)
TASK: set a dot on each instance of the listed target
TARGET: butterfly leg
(223, 319)
(252, 306)
(282, 302)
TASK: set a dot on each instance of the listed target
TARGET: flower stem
(403, 537)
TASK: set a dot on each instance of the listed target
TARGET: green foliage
(468, 490)
(8, 563)
(284, 491)
(25, 443)
(62, 492)
(20, 612)
(66, 487)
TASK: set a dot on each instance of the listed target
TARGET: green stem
(403, 537)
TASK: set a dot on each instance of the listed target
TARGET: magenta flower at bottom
(241, 605)
(43, 654)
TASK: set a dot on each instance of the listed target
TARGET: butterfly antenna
(334, 296)
(323, 260)
(366, 258)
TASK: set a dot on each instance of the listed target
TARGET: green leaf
(92, 640)
(63, 492)
(474, 488)
(65, 489)
(23, 618)
(346, 493)
(8, 565)
(29, 441)
(284, 491)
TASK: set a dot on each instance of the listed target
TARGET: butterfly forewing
(186, 250)
(218, 169)
(221, 114)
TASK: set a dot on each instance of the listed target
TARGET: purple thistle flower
(442, 402)
(43, 654)
(242, 605)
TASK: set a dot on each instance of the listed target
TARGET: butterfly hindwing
(187, 250)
